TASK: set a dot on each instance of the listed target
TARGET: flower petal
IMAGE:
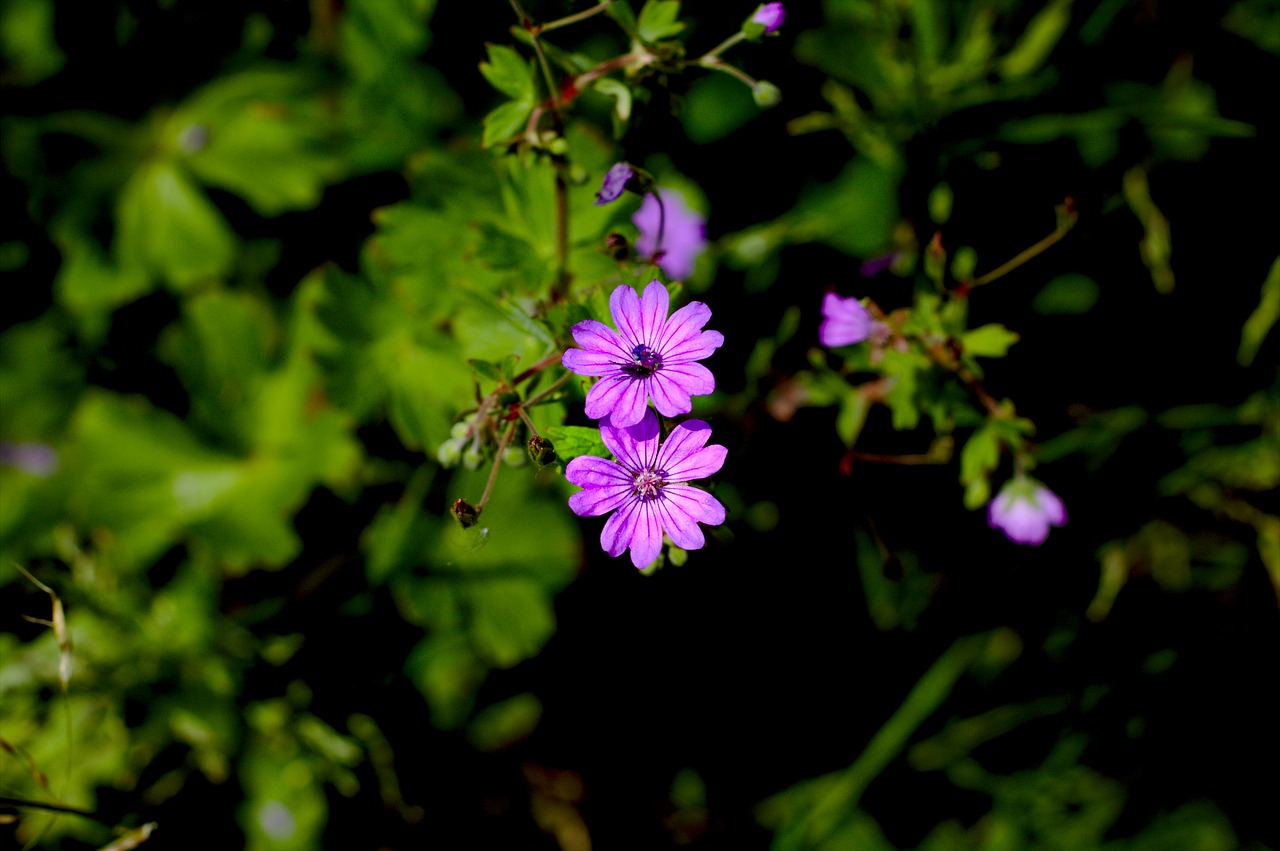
(669, 397)
(587, 471)
(654, 304)
(686, 438)
(583, 362)
(685, 323)
(646, 541)
(697, 465)
(1051, 506)
(697, 503)
(593, 502)
(692, 378)
(678, 522)
(597, 337)
(635, 446)
(620, 397)
(620, 528)
(695, 347)
(624, 304)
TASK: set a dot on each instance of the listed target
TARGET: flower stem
(712, 55)
(533, 30)
(1066, 220)
(574, 18)
(503, 442)
(715, 64)
(560, 288)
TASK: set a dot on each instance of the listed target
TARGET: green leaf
(1037, 41)
(981, 455)
(658, 20)
(1262, 319)
(259, 135)
(508, 72)
(988, 341)
(506, 121)
(1068, 295)
(505, 723)
(573, 441)
(168, 228)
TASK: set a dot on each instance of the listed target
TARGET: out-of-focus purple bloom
(876, 265)
(615, 183)
(38, 459)
(671, 234)
(844, 321)
(646, 487)
(1024, 510)
(770, 16)
(650, 356)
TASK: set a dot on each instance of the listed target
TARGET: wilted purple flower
(1024, 510)
(646, 489)
(844, 321)
(37, 459)
(615, 183)
(770, 16)
(671, 234)
(650, 356)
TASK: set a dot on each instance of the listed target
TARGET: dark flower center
(648, 484)
(644, 362)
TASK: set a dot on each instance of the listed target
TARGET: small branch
(1067, 220)
(574, 18)
(497, 462)
(546, 391)
(712, 55)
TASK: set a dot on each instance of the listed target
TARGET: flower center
(648, 484)
(644, 362)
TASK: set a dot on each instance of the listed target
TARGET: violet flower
(770, 16)
(671, 234)
(1024, 510)
(615, 183)
(646, 487)
(650, 356)
(844, 321)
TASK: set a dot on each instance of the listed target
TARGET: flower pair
(650, 356)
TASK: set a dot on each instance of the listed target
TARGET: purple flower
(650, 356)
(646, 487)
(1024, 510)
(37, 459)
(615, 183)
(844, 321)
(671, 234)
(770, 16)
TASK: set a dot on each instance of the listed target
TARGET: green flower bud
(542, 451)
(766, 94)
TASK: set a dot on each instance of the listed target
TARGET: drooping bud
(764, 21)
(465, 513)
(542, 451)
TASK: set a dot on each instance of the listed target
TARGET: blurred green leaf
(168, 228)
(505, 723)
(658, 20)
(988, 341)
(1262, 319)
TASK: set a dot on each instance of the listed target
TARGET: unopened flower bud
(542, 451)
(450, 452)
(460, 430)
(465, 512)
(472, 458)
(766, 94)
(764, 21)
(617, 247)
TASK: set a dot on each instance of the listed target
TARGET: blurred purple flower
(646, 489)
(615, 183)
(650, 356)
(37, 459)
(770, 16)
(671, 234)
(844, 321)
(1024, 510)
